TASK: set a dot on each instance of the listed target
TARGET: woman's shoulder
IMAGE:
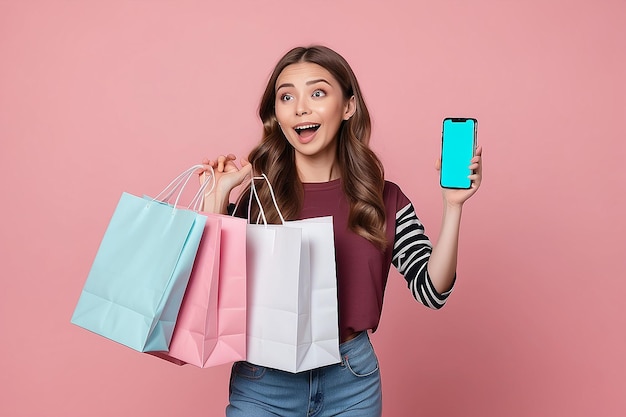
(391, 186)
(393, 195)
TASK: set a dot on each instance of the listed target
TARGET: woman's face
(310, 108)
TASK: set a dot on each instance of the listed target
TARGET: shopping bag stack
(208, 289)
(157, 284)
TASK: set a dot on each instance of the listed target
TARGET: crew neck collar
(326, 185)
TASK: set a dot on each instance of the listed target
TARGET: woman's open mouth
(306, 131)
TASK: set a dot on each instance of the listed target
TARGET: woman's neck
(315, 170)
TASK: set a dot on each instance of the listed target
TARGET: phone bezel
(474, 145)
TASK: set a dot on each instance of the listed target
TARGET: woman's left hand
(457, 196)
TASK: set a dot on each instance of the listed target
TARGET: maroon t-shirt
(362, 268)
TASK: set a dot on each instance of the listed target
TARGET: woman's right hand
(227, 176)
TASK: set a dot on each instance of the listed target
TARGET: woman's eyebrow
(319, 80)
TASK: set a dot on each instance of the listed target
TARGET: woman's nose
(302, 108)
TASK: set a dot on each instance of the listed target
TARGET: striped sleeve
(411, 252)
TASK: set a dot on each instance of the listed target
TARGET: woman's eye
(286, 97)
(319, 93)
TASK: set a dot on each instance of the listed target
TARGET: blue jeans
(349, 388)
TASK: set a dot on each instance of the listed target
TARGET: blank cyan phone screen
(457, 151)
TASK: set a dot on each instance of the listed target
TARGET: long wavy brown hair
(361, 171)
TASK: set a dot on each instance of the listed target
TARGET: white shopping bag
(292, 294)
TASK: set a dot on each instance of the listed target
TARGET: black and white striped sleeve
(411, 252)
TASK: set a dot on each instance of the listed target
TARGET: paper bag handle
(256, 196)
(197, 199)
(179, 183)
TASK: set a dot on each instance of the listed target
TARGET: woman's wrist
(215, 202)
(450, 206)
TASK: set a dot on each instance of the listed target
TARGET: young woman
(314, 150)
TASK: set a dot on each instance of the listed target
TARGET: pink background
(97, 98)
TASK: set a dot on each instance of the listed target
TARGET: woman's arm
(443, 259)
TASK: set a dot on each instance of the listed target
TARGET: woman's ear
(350, 108)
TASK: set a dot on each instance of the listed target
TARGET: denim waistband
(354, 343)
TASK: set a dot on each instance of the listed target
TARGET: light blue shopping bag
(138, 279)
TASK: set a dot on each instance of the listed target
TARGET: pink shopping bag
(211, 325)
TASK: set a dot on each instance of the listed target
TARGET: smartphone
(458, 145)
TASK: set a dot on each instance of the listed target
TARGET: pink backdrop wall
(97, 98)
